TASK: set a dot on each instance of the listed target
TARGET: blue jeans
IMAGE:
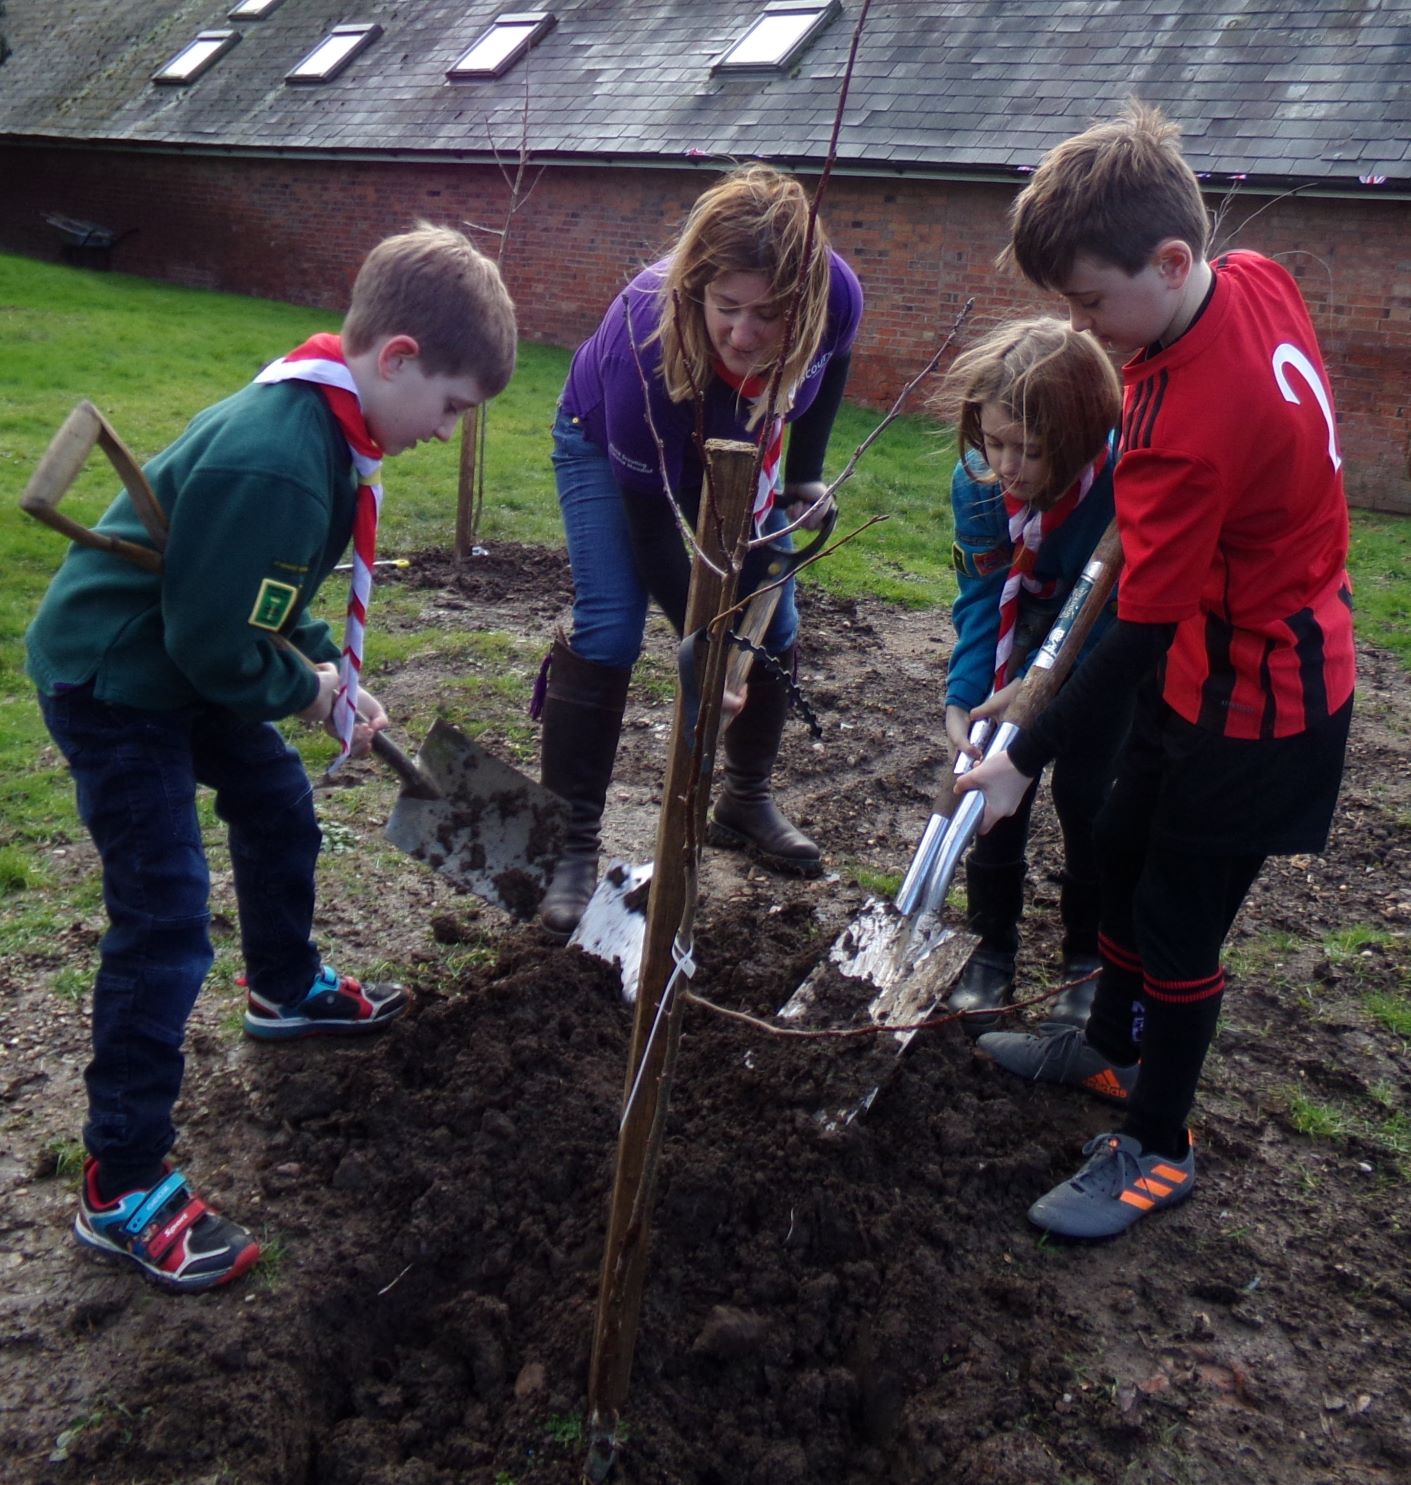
(135, 773)
(609, 599)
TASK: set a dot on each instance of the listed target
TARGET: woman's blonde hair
(1057, 382)
(753, 220)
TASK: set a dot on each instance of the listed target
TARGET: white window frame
(355, 36)
(252, 10)
(737, 57)
(532, 26)
(201, 55)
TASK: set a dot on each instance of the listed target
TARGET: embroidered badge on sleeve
(273, 604)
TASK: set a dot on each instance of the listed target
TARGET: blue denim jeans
(609, 599)
(135, 773)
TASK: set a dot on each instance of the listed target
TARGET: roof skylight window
(253, 10)
(508, 38)
(778, 36)
(333, 53)
(196, 57)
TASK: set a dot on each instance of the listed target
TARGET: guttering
(1216, 183)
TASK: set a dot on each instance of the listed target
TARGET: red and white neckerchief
(770, 475)
(320, 359)
(1027, 529)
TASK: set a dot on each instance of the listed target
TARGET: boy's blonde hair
(433, 284)
(1114, 192)
(753, 220)
(1058, 382)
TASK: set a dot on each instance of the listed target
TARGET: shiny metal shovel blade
(494, 832)
(614, 924)
(903, 966)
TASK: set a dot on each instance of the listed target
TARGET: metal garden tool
(479, 822)
(614, 924)
(900, 953)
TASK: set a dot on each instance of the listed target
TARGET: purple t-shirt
(604, 387)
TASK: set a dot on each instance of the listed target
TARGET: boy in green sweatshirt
(152, 684)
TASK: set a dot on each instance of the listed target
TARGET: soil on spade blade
(861, 1305)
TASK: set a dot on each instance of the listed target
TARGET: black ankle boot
(1074, 1005)
(986, 984)
(583, 707)
(994, 902)
(745, 815)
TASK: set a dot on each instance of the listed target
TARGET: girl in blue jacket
(1035, 405)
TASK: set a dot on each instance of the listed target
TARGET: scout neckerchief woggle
(1027, 530)
(773, 440)
(320, 359)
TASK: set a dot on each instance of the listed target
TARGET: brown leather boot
(746, 817)
(583, 707)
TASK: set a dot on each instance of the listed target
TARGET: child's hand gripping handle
(956, 820)
(414, 780)
(66, 455)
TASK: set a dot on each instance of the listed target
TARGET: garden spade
(479, 822)
(899, 954)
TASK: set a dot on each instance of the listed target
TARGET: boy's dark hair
(1114, 192)
(1056, 381)
(433, 284)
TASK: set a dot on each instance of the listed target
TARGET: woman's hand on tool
(732, 703)
(1004, 788)
(811, 496)
(321, 707)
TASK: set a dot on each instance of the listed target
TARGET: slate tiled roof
(1316, 92)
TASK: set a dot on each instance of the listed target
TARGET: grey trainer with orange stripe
(1118, 1185)
(1060, 1053)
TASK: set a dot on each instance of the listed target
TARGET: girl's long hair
(1058, 382)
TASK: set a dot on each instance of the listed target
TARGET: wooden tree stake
(670, 913)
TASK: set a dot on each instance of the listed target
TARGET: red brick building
(239, 178)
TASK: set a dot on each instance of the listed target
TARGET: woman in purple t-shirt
(732, 272)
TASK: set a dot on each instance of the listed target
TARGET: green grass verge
(151, 355)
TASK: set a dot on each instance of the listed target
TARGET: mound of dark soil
(861, 1305)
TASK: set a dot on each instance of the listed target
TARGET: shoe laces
(1063, 1046)
(1113, 1165)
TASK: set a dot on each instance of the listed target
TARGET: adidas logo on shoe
(1106, 1084)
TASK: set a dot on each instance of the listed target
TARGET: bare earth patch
(869, 1305)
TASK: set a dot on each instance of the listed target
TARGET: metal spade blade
(493, 832)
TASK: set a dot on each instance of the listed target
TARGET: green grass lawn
(151, 355)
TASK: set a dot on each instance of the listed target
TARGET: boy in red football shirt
(1234, 626)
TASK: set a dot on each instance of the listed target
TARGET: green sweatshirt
(259, 493)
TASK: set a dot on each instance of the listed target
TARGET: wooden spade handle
(68, 451)
(1069, 632)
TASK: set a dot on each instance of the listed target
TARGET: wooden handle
(1070, 630)
(759, 614)
(61, 462)
(60, 466)
(149, 512)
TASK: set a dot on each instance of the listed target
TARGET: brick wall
(297, 229)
